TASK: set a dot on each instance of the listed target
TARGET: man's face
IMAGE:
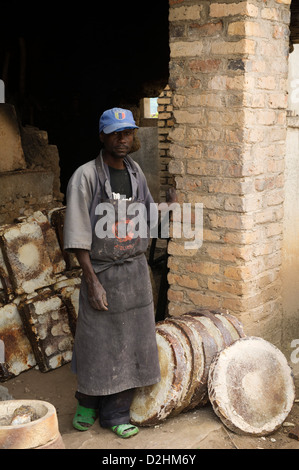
(118, 144)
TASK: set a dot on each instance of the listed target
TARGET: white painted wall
(293, 80)
(290, 259)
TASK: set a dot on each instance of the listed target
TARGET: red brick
(207, 29)
(209, 65)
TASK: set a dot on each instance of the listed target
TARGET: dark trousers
(113, 409)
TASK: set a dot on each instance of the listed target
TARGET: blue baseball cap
(116, 119)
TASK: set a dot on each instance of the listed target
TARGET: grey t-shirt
(120, 182)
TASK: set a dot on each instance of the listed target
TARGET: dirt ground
(197, 429)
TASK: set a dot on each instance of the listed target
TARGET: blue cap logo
(120, 115)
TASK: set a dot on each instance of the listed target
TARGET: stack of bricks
(165, 124)
(39, 294)
(228, 74)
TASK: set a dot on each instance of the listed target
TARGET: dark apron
(116, 349)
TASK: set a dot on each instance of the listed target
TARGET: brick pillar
(165, 124)
(228, 74)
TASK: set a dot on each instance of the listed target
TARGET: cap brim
(118, 127)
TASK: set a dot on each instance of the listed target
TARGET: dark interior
(63, 67)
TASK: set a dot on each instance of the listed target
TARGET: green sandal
(84, 418)
(125, 430)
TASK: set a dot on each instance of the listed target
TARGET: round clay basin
(38, 433)
(251, 386)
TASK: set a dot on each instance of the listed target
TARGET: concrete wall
(293, 81)
(290, 252)
(148, 158)
(290, 259)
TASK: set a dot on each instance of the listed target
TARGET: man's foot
(125, 430)
(84, 418)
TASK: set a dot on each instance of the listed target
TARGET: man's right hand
(97, 295)
(96, 292)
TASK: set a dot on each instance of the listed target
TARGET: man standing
(115, 347)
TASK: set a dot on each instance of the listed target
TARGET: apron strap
(104, 181)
